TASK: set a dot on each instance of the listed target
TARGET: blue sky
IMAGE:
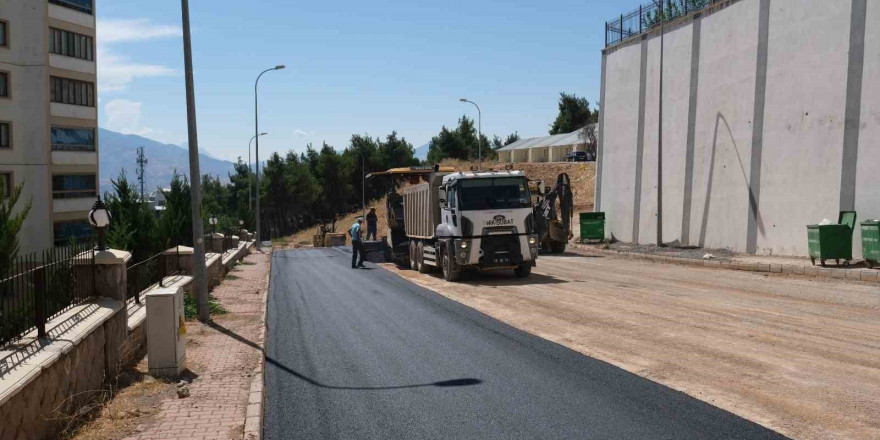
(352, 67)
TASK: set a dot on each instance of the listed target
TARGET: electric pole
(200, 284)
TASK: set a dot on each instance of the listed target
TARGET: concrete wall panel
(723, 126)
(867, 174)
(676, 86)
(619, 142)
(803, 122)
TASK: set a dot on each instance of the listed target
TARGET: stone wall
(38, 411)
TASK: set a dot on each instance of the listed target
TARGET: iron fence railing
(37, 287)
(647, 16)
(152, 271)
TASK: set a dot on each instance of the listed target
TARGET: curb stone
(253, 424)
(869, 275)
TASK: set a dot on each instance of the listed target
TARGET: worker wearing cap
(357, 246)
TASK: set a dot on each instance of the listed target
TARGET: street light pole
(479, 132)
(257, 149)
(250, 174)
(200, 284)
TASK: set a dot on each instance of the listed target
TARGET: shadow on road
(442, 384)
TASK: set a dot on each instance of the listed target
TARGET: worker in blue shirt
(357, 246)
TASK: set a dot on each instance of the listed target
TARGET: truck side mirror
(541, 188)
(443, 196)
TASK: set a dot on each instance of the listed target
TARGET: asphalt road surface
(365, 354)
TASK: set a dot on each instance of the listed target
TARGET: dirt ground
(800, 356)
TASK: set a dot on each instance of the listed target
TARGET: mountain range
(119, 152)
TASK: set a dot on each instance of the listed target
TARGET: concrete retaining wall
(767, 125)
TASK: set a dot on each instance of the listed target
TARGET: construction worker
(357, 246)
(372, 224)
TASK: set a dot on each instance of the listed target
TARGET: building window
(71, 44)
(5, 135)
(74, 186)
(4, 34)
(71, 230)
(5, 184)
(4, 84)
(78, 5)
(71, 91)
(73, 139)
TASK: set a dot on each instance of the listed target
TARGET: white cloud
(300, 133)
(117, 72)
(123, 31)
(124, 116)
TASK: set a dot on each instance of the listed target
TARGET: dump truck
(456, 221)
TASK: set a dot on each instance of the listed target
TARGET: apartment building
(48, 114)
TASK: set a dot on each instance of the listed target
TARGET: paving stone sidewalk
(222, 358)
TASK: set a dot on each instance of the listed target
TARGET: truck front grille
(500, 250)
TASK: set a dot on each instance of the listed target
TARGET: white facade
(767, 125)
(31, 114)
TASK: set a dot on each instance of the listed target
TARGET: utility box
(166, 331)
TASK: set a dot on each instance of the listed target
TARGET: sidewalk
(723, 259)
(222, 360)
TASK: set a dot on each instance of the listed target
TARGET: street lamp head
(99, 216)
(263, 134)
(212, 220)
(280, 66)
(463, 99)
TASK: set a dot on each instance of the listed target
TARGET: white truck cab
(486, 217)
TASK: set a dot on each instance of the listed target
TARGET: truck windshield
(493, 193)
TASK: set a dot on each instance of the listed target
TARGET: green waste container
(871, 242)
(832, 242)
(592, 226)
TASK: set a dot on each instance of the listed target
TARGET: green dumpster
(832, 242)
(592, 226)
(871, 242)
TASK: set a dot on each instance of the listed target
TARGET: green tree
(574, 113)
(10, 224)
(175, 224)
(498, 143)
(133, 227)
(460, 143)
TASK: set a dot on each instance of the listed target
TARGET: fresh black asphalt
(365, 354)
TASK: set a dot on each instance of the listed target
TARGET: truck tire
(451, 271)
(557, 247)
(420, 257)
(524, 270)
(413, 262)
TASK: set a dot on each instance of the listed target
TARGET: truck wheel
(413, 263)
(557, 247)
(524, 270)
(420, 257)
(451, 271)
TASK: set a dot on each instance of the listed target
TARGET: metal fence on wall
(646, 17)
(37, 287)
(152, 271)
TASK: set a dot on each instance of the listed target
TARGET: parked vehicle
(577, 156)
(457, 221)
